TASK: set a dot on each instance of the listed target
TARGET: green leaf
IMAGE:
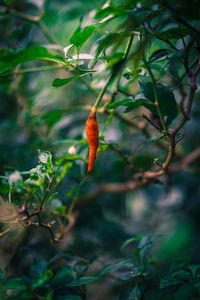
(131, 240)
(137, 102)
(51, 118)
(155, 138)
(10, 59)
(193, 269)
(158, 54)
(38, 269)
(63, 276)
(115, 266)
(42, 281)
(182, 275)
(80, 35)
(175, 33)
(135, 294)
(58, 82)
(60, 161)
(102, 148)
(166, 100)
(69, 297)
(2, 273)
(144, 244)
(106, 42)
(168, 281)
(15, 284)
(73, 191)
(82, 281)
(118, 103)
(115, 11)
(64, 171)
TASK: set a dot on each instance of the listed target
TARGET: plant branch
(140, 180)
(187, 110)
(34, 19)
(156, 96)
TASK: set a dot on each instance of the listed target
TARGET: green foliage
(73, 235)
(10, 59)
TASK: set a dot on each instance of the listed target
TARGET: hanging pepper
(92, 131)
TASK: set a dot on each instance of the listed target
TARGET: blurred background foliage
(44, 151)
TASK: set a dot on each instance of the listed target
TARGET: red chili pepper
(92, 131)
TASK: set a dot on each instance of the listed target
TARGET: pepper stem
(101, 94)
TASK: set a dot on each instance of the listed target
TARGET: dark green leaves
(166, 100)
(174, 33)
(9, 60)
(169, 281)
(80, 36)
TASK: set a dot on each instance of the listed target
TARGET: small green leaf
(15, 284)
(106, 42)
(82, 281)
(51, 118)
(144, 244)
(158, 54)
(38, 269)
(102, 148)
(175, 33)
(135, 294)
(69, 297)
(137, 102)
(60, 161)
(58, 82)
(168, 281)
(64, 171)
(131, 240)
(118, 103)
(193, 269)
(80, 35)
(42, 281)
(156, 138)
(2, 273)
(63, 276)
(115, 11)
(115, 266)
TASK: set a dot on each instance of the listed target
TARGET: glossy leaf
(158, 54)
(58, 82)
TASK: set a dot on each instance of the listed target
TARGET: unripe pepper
(92, 131)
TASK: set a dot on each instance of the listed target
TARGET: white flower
(14, 177)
